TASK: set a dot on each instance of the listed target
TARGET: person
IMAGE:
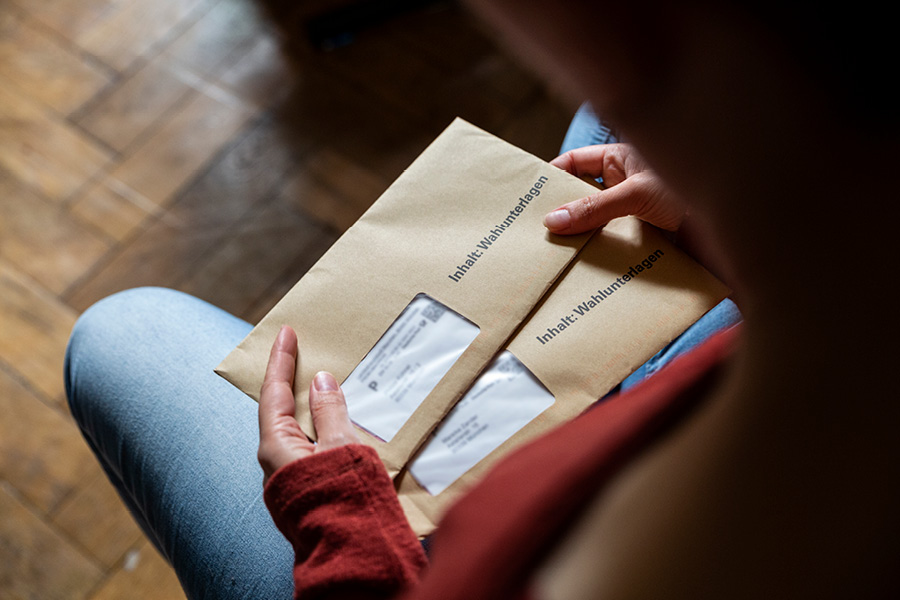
(757, 464)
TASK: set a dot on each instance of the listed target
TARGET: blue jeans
(179, 443)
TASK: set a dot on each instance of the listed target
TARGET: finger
(276, 396)
(639, 195)
(606, 161)
(329, 412)
(592, 211)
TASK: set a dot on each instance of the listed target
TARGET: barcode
(433, 311)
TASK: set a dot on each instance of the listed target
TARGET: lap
(177, 441)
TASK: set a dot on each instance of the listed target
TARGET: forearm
(340, 512)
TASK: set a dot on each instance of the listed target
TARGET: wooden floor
(203, 145)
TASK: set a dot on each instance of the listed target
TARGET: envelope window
(504, 398)
(409, 360)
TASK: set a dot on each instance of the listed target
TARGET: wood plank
(360, 126)
(167, 250)
(112, 207)
(96, 519)
(144, 574)
(405, 81)
(248, 173)
(159, 255)
(186, 142)
(35, 329)
(256, 256)
(228, 30)
(315, 244)
(42, 239)
(37, 561)
(467, 54)
(540, 126)
(334, 189)
(69, 18)
(134, 28)
(261, 76)
(42, 453)
(44, 69)
(136, 104)
(395, 72)
(450, 38)
(43, 151)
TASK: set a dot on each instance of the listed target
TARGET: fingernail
(325, 382)
(558, 219)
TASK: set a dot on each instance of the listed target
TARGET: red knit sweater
(340, 511)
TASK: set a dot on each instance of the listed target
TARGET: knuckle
(326, 402)
(588, 208)
(270, 386)
(329, 399)
(338, 438)
(570, 163)
(646, 178)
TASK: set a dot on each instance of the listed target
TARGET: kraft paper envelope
(470, 204)
(560, 319)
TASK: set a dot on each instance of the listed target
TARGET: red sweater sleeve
(340, 512)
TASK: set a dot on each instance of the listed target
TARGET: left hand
(632, 188)
(281, 441)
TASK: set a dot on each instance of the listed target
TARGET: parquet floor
(203, 145)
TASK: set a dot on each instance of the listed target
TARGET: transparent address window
(505, 398)
(409, 360)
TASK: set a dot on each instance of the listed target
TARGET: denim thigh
(177, 441)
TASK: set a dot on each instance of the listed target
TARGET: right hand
(281, 441)
(632, 189)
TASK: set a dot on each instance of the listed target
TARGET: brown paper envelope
(591, 330)
(467, 188)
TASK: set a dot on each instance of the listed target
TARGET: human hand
(281, 441)
(632, 188)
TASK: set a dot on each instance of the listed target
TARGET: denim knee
(111, 321)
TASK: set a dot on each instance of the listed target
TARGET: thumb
(329, 413)
(641, 195)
